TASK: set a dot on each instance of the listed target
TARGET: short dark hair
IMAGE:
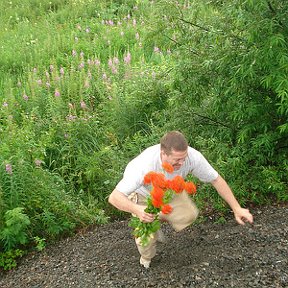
(173, 140)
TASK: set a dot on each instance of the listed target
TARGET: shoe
(160, 236)
(145, 263)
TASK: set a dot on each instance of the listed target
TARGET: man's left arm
(242, 215)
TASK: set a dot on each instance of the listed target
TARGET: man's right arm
(121, 202)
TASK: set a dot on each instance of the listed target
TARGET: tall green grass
(78, 79)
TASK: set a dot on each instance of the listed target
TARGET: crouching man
(131, 192)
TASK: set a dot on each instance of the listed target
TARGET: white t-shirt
(149, 160)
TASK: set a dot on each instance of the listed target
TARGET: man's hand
(243, 215)
(142, 215)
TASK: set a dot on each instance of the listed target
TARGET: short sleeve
(203, 170)
(131, 181)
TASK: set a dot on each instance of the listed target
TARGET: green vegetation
(86, 85)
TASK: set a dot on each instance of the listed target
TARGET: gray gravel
(204, 255)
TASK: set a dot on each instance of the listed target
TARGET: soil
(206, 254)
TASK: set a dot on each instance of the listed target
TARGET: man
(130, 193)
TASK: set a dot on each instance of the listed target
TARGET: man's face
(176, 158)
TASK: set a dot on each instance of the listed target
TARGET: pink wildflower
(8, 168)
(62, 71)
(127, 58)
(38, 162)
(57, 93)
(156, 49)
(83, 105)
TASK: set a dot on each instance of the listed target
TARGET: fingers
(143, 216)
(244, 216)
(146, 217)
(250, 218)
(240, 221)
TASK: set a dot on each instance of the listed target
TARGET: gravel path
(204, 255)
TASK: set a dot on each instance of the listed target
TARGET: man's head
(174, 149)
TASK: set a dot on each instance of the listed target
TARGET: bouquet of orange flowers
(160, 196)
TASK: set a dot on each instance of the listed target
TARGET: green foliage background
(86, 85)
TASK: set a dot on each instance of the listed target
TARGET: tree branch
(193, 24)
(212, 120)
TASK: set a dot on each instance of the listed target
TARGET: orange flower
(157, 193)
(166, 209)
(157, 203)
(158, 179)
(167, 167)
(148, 177)
(177, 184)
(190, 188)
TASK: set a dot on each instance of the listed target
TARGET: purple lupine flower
(8, 168)
(97, 62)
(57, 93)
(25, 97)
